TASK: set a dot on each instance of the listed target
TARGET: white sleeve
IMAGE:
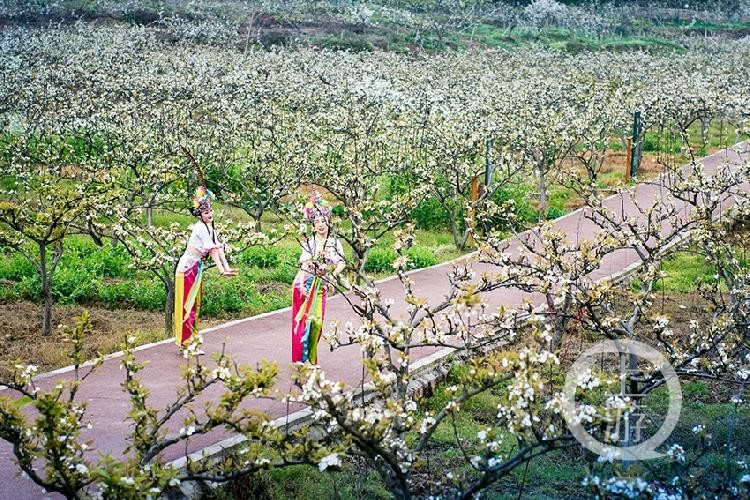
(202, 240)
(199, 236)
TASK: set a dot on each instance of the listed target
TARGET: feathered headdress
(317, 207)
(202, 196)
(201, 200)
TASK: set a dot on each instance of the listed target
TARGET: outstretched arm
(217, 254)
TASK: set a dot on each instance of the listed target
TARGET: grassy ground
(301, 482)
(122, 299)
(558, 474)
(555, 475)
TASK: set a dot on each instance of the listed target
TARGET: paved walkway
(268, 337)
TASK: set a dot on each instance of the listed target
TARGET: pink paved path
(268, 337)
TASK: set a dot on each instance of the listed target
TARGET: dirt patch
(733, 33)
(615, 162)
(21, 324)
(268, 288)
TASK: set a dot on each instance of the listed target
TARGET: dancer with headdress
(321, 261)
(203, 242)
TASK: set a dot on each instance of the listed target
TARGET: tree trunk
(458, 240)
(638, 152)
(46, 291)
(359, 258)
(257, 215)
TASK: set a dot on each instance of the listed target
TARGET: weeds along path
(268, 336)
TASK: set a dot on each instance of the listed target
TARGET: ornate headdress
(316, 207)
(201, 200)
(202, 196)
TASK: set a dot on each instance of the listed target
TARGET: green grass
(103, 276)
(431, 247)
(718, 134)
(346, 41)
(715, 417)
(162, 218)
(181, 215)
(684, 272)
(640, 43)
(305, 483)
(557, 474)
(695, 389)
(706, 25)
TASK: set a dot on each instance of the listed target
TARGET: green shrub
(555, 212)
(30, 288)
(78, 247)
(430, 215)
(666, 143)
(9, 292)
(148, 295)
(109, 261)
(651, 142)
(274, 301)
(420, 257)
(282, 274)
(139, 293)
(262, 257)
(398, 184)
(16, 268)
(115, 294)
(222, 295)
(518, 194)
(380, 260)
(74, 285)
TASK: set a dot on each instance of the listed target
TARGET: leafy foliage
(95, 124)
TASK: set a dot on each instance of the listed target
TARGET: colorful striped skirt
(307, 319)
(188, 293)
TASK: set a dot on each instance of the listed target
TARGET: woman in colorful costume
(188, 290)
(321, 261)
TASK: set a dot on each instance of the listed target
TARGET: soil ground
(20, 326)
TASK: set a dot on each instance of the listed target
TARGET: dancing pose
(203, 242)
(321, 261)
